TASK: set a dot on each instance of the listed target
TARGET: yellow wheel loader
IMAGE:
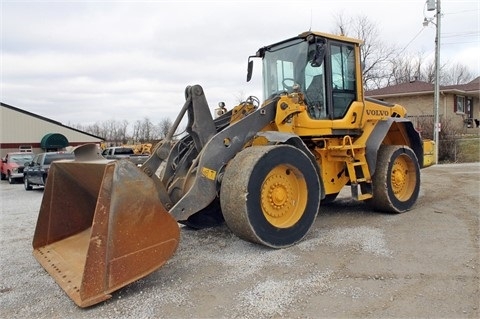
(265, 169)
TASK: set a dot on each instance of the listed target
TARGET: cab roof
(304, 35)
(331, 36)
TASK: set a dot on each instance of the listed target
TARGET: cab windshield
(297, 63)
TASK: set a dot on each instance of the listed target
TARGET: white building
(22, 129)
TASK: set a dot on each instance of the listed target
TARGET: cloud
(83, 62)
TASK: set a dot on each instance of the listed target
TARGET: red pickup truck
(12, 165)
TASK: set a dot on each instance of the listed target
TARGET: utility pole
(435, 5)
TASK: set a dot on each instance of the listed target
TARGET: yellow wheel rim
(284, 196)
(403, 178)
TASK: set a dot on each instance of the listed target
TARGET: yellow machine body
(265, 169)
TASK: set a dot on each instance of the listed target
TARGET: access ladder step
(366, 193)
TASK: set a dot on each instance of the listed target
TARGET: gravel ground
(353, 263)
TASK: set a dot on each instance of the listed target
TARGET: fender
(380, 132)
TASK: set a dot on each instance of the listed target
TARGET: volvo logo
(377, 112)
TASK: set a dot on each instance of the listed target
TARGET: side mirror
(249, 69)
(319, 55)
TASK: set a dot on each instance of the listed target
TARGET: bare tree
(107, 131)
(114, 131)
(385, 65)
(407, 68)
(414, 67)
(136, 131)
(456, 74)
(147, 131)
(429, 72)
(122, 131)
(164, 126)
(95, 130)
(375, 54)
(119, 132)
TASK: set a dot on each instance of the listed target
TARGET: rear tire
(396, 182)
(270, 195)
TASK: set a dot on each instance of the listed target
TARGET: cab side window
(343, 78)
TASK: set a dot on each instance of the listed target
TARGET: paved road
(353, 263)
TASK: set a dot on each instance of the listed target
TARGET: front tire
(26, 184)
(270, 195)
(396, 182)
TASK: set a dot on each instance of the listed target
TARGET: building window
(459, 104)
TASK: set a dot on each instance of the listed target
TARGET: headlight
(15, 170)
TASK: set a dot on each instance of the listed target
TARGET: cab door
(342, 82)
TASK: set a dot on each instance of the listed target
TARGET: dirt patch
(353, 263)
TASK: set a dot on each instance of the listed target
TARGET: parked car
(36, 171)
(123, 152)
(12, 165)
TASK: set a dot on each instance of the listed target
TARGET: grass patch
(468, 150)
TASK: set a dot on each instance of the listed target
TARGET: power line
(460, 34)
(459, 12)
(463, 32)
(410, 42)
(462, 42)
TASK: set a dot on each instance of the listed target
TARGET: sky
(86, 62)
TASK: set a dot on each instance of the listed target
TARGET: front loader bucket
(101, 226)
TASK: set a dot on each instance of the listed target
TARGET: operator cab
(321, 67)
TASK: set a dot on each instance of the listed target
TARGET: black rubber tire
(26, 184)
(10, 179)
(3, 176)
(210, 216)
(246, 179)
(396, 182)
